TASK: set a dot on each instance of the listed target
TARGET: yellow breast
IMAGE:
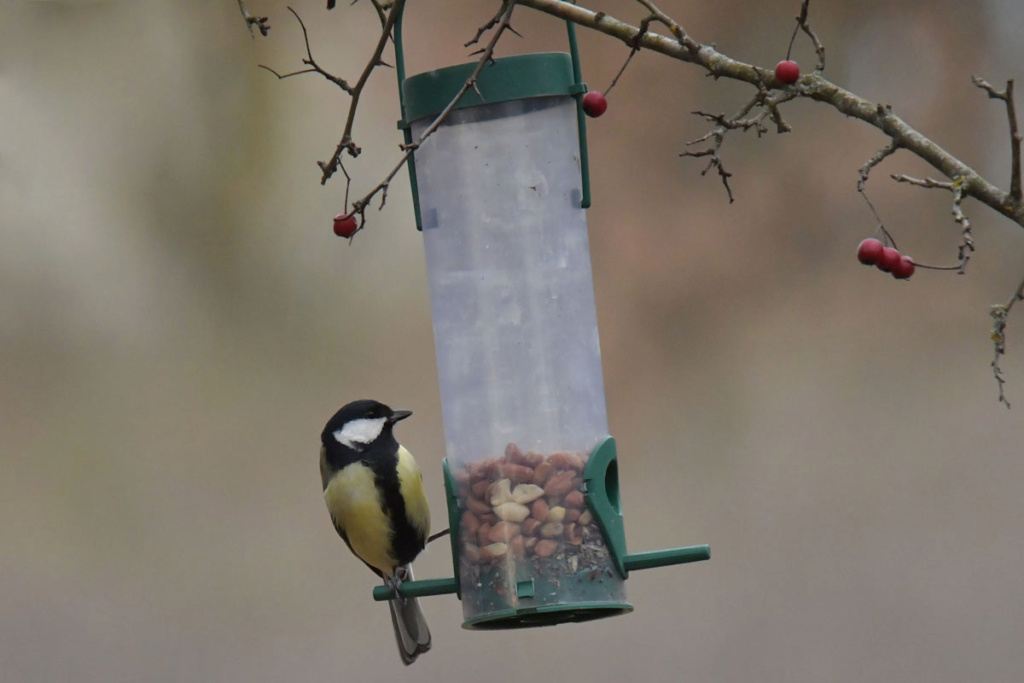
(356, 508)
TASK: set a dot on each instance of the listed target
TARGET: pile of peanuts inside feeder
(524, 517)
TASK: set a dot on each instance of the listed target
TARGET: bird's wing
(411, 485)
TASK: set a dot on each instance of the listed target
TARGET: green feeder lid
(543, 74)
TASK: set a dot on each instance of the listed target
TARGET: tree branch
(812, 86)
(330, 167)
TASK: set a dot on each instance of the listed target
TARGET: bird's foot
(396, 579)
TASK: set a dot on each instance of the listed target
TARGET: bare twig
(634, 48)
(734, 123)
(763, 99)
(796, 29)
(801, 23)
(1000, 315)
(310, 62)
(1015, 137)
(956, 187)
(629, 57)
(347, 144)
(656, 15)
(864, 172)
(772, 102)
(966, 247)
(682, 38)
(491, 23)
(929, 183)
(717, 134)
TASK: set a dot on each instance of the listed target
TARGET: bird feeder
(500, 192)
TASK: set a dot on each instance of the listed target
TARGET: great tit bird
(374, 492)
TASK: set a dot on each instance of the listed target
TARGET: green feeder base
(579, 584)
(545, 616)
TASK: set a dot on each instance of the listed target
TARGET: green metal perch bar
(654, 558)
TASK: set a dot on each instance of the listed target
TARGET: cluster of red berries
(872, 252)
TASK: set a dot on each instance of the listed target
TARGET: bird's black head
(360, 424)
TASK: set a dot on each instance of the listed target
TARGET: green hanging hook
(402, 123)
(578, 90)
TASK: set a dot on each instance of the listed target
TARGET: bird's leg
(395, 580)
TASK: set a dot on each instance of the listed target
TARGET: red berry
(345, 225)
(870, 251)
(904, 269)
(787, 71)
(889, 261)
(594, 104)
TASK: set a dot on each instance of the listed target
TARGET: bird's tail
(411, 630)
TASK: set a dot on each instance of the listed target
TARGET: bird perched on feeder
(374, 493)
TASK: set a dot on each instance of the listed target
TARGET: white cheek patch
(359, 432)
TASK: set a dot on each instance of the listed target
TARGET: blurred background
(177, 322)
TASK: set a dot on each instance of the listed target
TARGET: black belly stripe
(406, 541)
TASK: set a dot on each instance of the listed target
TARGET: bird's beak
(397, 415)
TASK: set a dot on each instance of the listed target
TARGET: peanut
(477, 506)
(545, 548)
(501, 492)
(512, 512)
(559, 484)
(555, 514)
(539, 509)
(541, 473)
(566, 461)
(503, 531)
(493, 551)
(526, 493)
(479, 489)
(514, 455)
(552, 530)
(517, 473)
(530, 526)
